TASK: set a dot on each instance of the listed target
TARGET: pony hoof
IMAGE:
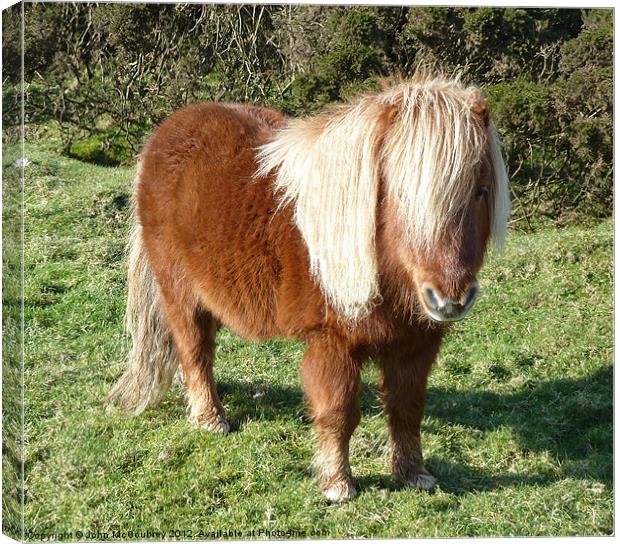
(215, 424)
(340, 491)
(422, 479)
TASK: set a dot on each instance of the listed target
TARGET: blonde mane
(426, 138)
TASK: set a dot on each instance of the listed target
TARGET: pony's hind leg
(194, 330)
(405, 370)
(331, 380)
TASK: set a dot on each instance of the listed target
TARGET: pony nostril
(448, 309)
(472, 292)
(431, 298)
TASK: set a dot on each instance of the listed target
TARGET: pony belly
(242, 316)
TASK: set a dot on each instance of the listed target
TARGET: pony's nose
(442, 308)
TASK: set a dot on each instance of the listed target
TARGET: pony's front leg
(405, 369)
(332, 384)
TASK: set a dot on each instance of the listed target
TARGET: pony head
(422, 161)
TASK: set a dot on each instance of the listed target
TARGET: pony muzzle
(440, 308)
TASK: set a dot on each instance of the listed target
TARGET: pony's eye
(482, 192)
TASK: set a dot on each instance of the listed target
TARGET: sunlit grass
(518, 427)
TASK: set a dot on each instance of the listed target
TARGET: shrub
(106, 149)
(583, 100)
(523, 113)
(558, 135)
(107, 73)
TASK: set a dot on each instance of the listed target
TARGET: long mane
(426, 139)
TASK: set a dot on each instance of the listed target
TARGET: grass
(518, 427)
(11, 339)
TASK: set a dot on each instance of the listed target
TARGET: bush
(523, 113)
(584, 107)
(105, 149)
(558, 135)
(108, 73)
(347, 60)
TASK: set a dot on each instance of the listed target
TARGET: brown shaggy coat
(219, 249)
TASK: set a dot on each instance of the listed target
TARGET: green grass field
(518, 426)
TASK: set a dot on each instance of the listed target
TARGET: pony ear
(480, 109)
(327, 167)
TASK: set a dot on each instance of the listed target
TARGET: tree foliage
(107, 73)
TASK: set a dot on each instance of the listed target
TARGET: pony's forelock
(431, 156)
(500, 194)
(429, 141)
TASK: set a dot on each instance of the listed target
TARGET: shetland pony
(359, 230)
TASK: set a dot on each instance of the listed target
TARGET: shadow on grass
(457, 479)
(571, 419)
(260, 401)
(460, 479)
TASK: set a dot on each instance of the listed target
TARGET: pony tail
(152, 359)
